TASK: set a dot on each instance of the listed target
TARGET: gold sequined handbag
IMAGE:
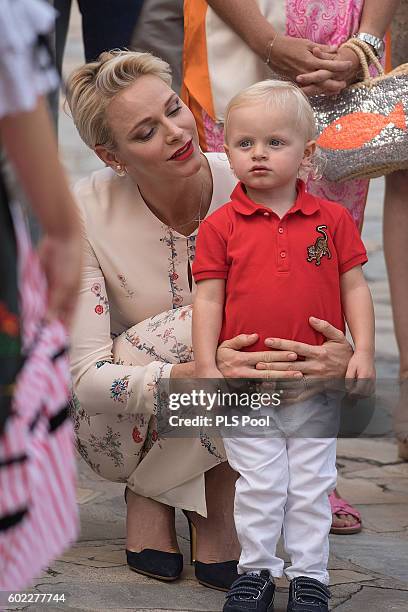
(363, 131)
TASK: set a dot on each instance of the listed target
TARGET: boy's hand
(360, 375)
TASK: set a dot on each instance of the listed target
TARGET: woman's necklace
(197, 216)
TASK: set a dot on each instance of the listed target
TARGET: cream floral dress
(133, 322)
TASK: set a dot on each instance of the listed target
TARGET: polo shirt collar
(305, 202)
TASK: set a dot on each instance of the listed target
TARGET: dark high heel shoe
(219, 576)
(155, 563)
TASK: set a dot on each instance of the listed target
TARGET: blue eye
(274, 142)
(245, 144)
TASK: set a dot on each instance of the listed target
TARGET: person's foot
(400, 419)
(216, 536)
(252, 592)
(345, 518)
(308, 595)
(150, 525)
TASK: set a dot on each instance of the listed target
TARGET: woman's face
(154, 131)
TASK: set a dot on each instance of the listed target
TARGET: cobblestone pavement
(369, 571)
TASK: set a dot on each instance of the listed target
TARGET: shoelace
(308, 591)
(247, 587)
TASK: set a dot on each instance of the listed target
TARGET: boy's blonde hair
(275, 93)
(91, 87)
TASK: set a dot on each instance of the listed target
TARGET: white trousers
(283, 485)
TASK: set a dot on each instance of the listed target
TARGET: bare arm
(30, 142)
(207, 320)
(377, 16)
(359, 312)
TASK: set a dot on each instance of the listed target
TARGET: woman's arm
(30, 143)
(290, 56)
(101, 385)
(207, 321)
(377, 16)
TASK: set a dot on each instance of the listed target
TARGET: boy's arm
(359, 313)
(208, 311)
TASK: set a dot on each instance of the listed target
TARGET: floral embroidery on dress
(77, 413)
(119, 389)
(210, 446)
(101, 363)
(175, 289)
(191, 247)
(109, 445)
(103, 305)
(164, 318)
(148, 349)
(124, 284)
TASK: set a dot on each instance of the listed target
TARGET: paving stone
(383, 554)
(363, 491)
(378, 451)
(348, 577)
(395, 520)
(375, 600)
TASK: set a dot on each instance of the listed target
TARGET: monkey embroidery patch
(320, 248)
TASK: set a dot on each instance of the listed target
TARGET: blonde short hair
(279, 94)
(91, 87)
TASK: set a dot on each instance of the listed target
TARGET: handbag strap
(366, 56)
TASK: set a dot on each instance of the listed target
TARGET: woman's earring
(120, 170)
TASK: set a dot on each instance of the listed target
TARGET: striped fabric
(38, 515)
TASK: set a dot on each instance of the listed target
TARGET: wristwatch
(376, 43)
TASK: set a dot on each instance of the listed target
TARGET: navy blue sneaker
(308, 595)
(253, 592)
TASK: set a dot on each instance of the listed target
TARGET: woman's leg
(157, 529)
(395, 243)
(216, 536)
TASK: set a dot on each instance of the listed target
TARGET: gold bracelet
(269, 49)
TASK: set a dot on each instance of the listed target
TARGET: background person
(395, 240)
(38, 516)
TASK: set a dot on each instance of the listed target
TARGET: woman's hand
(329, 360)
(324, 80)
(298, 56)
(234, 363)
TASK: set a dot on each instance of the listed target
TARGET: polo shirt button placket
(283, 263)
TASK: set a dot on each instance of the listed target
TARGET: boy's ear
(310, 148)
(226, 149)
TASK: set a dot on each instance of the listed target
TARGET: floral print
(109, 444)
(103, 305)
(119, 389)
(101, 363)
(124, 284)
(173, 259)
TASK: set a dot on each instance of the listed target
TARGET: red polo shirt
(278, 272)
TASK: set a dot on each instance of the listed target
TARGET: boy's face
(265, 146)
